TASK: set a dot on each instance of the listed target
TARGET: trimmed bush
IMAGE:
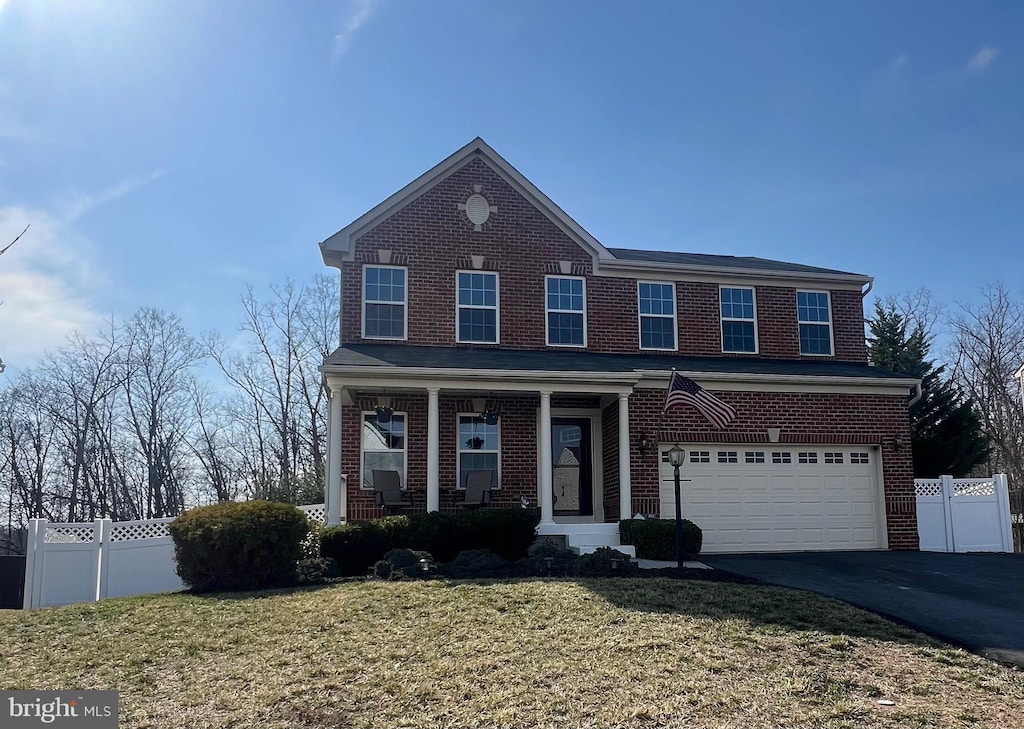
(244, 545)
(359, 545)
(549, 560)
(401, 563)
(656, 538)
(605, 562)
(474, 563)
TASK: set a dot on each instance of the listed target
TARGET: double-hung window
(814, 317)
(657, 315)
(477, 304)
(383, 445)
(739, 323)
(384, 302)
(566, 309)
(479, 448)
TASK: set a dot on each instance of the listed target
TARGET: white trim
(627, 268)
(459, 451)
(675, 314)
(722, 318)
(405, 451)
(547, 332)
(405, 302)
(496, 307)
(831, 328)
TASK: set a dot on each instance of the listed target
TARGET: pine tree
(946, 433)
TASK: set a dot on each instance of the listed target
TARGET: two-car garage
(770, 497)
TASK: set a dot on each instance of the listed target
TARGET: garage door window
(833, 457)
(808, 457)
(780, 457)
(700, 456)
(859, 458)
(754, 456)
(727, 457)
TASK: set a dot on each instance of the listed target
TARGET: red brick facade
(433, 238)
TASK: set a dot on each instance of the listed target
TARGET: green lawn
(634, 653)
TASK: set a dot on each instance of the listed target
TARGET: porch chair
(478, 489)
(387, 488)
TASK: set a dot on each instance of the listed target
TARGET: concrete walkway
(972, 600)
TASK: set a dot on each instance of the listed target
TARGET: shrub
(605, 562)
(400, 563)
(312, 571)
(476, 563)
(238, 545)
(550, 560)
(358, 545)
(656, 538)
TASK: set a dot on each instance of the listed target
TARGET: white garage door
(772, 498)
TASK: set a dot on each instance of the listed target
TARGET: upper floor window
(814, 317)
(477, 297)
(739, 324)
(384, 302)
(566, 308)
(657, 315)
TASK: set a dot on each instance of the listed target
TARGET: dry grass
(631, 653)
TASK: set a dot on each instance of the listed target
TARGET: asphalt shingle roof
(402, 355)
(707, 259)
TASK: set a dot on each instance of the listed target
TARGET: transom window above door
(384, 302)
(657, 305)
(566, 310)
(477, 305)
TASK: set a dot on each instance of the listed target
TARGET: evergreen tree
(946, 433)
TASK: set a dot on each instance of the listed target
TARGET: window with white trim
(831, 457)
(700, 456)
(814, 318)
(477, 304)
(479, 448)
(657, 304)
(859, 458)
(808, 457)
(566, 311)
(383, 446)
(384, 302)
(781, 457)
(739, 325)
(727, 457)
(753, 457)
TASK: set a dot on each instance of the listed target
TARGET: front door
(572, 482)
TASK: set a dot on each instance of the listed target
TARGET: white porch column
(547, 509)
(433, 451)
(335, 500)
(625, 494)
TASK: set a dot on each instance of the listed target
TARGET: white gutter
(920, 393)
(642, 266)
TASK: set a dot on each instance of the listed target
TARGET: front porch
(558, 445)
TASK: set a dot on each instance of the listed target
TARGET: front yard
(618, 652)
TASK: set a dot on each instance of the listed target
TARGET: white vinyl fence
(90, 561)
(964, 514)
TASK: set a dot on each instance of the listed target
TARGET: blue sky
(169, 153)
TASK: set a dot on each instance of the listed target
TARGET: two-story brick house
(482, 329)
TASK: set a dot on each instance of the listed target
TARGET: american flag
(684, 391)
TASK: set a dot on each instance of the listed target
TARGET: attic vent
(477, 209)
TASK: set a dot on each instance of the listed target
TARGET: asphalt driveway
(972, 600)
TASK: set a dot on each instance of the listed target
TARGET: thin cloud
(47, 284)
(981, 60)
(898, 63)
(356, 15)
(84, 203)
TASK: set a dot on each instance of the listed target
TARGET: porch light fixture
(676, 456)
(646, 444)
(487, 410)
(384, 409)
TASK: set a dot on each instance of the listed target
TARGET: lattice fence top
(974, 487)
(315, 512)
(928, 487)
(70, 534)
(129, 531)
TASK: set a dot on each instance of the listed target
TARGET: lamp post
(676, 455)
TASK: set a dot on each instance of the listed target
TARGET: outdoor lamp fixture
(384, 409)
(676, 456)
(487, 410)
(646, 444)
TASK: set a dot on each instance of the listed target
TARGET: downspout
(865, 292)
(918, 396)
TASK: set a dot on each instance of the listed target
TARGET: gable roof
(338, 247)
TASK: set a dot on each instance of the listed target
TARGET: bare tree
(989, 350)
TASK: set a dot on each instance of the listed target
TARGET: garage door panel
(790, 500)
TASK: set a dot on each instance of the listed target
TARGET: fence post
(102, 537)
(1003, 502)
(33, 561)
(947, 511)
